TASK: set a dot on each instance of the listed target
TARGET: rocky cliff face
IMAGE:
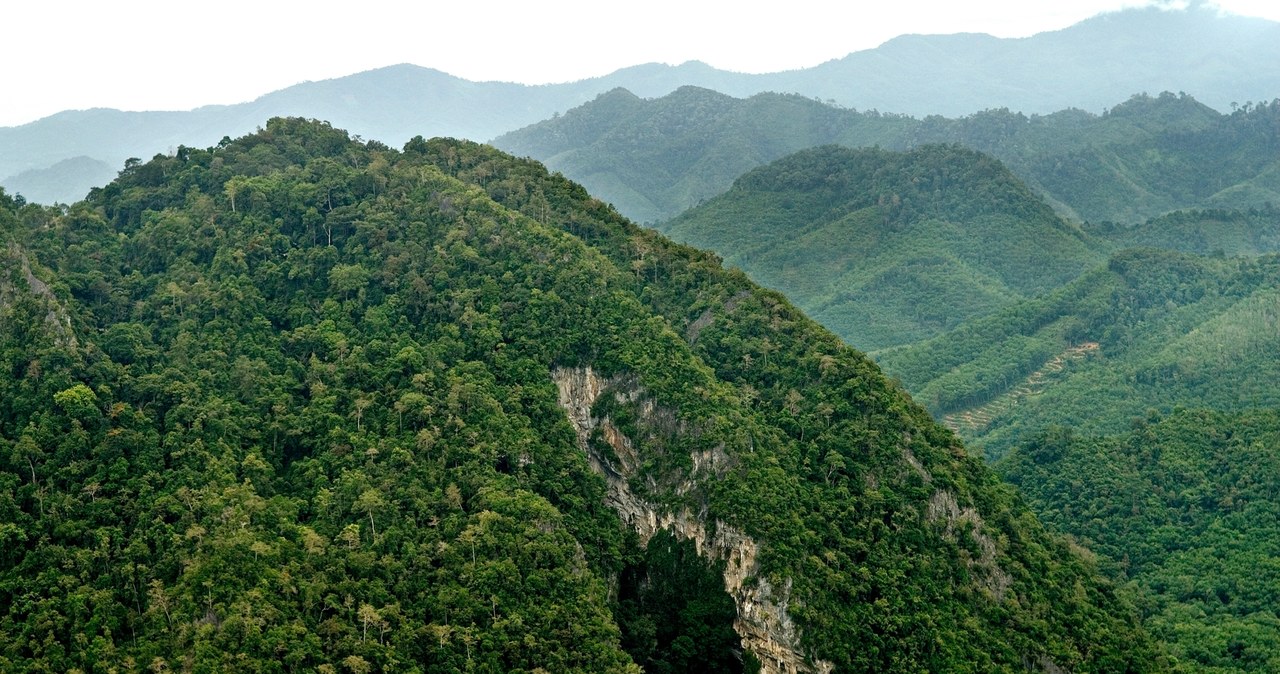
(57, 320)
(767, 631)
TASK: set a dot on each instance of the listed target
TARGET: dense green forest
(889, 248)
(1215, 232)
(1180, 311)
(302, 403)
(1169, 329)
(1139, 159)
(1185, 508)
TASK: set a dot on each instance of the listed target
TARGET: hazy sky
(175, 55)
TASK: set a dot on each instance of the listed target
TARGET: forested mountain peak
(868, 240)
(1166, 111)
(341, 406)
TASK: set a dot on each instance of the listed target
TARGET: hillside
(888, 248)
(653, 158)
(1171, 329)
(1139, 159)
(298, 402)
(1220, 59)
(1182, 507)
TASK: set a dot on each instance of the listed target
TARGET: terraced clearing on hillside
(975, 419)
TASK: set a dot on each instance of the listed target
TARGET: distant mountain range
(654, 158)
(1220, 60)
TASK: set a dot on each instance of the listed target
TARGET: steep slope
(889, 248)
(1171, 330)
(338, 405)
(1183, 507)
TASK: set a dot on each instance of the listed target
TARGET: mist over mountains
(1220, 60)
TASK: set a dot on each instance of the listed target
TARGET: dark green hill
(1184, 508)
(1153, 329)
(1140, 159)
(1233, 163)
(301, 403)
(888, 248)
(1204, 232)
(655, 158)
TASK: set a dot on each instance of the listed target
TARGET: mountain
(1217, 161)
(888, 248)
(1151, 330)
(53, 184)
(1144, 157)
(1199, 50)
(1210, 232)
(653, 158)
(301, 402)
(390, 104)
(1182, 507)
(1220, 59)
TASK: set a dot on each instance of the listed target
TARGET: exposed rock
(57, 319)
(910, 457)
(708, 317)
(767, 631)
(989, 575)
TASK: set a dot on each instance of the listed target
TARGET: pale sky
(177, 55)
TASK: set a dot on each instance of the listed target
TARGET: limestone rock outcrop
(767, 631)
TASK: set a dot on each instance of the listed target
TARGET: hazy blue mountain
(652, 158)
(1217, 59)
(1090, 65)
(53, 184)
(389, 104)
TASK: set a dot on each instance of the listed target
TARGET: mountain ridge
(868, 79)
(1142, 157)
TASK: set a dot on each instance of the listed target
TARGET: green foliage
(674, 613)
(1183, 508)
(1142, 158)
(1171, 328)
(307, 422)
(888, 248)
(1213, 232)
